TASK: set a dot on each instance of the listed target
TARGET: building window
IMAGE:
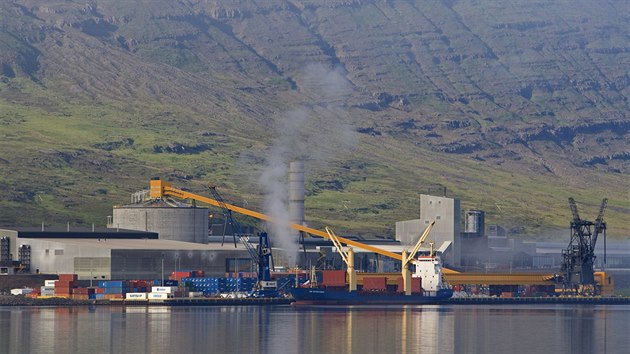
(58, 252)
(47, 252)
(438, 217)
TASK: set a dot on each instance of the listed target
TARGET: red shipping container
(416, 285)
(82, 291)
(99, 291)
(68, 277)
(65, 284)
(374, 283)
(333, 277)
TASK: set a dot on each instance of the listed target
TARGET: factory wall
(53, 257)
(447, 214)
(408, 232)
(171, 223)
(147, 264)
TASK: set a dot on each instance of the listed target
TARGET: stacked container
(65, 284)
(215, 286)
(113, 289)
(82, 293)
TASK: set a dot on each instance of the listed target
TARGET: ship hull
(323, 296)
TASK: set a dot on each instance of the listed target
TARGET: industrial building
(157, 234)
(104, 254)
(447, 230)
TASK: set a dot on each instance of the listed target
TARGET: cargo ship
(427, 286)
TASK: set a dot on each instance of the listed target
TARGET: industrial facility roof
(75, 232)
(146, 244)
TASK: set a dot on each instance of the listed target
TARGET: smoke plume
(313, 133)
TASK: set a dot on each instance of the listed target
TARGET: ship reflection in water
(287, 329)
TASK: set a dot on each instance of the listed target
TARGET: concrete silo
(172, 222)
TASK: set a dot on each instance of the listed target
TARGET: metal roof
(144, 244)
(80, 232)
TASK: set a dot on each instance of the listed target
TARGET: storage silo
(180, 222)
(475, 222)
(296, 192)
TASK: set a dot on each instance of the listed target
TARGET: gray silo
(178, 223)
(296, 192)
(475, 220)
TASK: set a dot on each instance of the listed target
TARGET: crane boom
(599, 222)
(574, 210)
(423, 237)
(160, 189)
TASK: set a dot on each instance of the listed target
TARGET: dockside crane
(409, 256)
(579, 257)
(261, 255)
(159, 189)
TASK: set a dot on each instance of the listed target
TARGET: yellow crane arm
(335, 240)
(160, 189)
(416, 248)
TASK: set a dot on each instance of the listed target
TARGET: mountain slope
(512, 107)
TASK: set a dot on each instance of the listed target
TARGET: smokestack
(296, 192)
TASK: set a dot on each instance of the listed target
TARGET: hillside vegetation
(512, 106)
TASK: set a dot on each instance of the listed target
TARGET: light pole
(162, 279)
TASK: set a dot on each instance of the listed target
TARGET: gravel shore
(19, 300)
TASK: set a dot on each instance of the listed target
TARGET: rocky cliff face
(531, 85)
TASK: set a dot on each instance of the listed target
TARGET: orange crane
(162, 189)
(159, 189)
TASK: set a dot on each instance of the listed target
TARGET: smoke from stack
(311, 133)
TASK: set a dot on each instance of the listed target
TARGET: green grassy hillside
(512, 108)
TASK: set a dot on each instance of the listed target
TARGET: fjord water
(287, 329)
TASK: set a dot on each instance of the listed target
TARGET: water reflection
(285, 329)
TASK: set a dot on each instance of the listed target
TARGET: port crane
(261, 255)
(578, 258)
(159, 189)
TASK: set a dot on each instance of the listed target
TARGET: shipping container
(65, 284)
(112, 284)
(49, 283)
(68, 277)
(416, 285)
(136, 296)
(374, 283)
(333, 277)
(158, 296)
(111, 290)
(163, 289)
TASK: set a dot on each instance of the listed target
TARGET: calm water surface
(286, 329)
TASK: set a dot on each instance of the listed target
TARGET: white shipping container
(195, 294)
(50, 283)
(47, 288)
(163, 289)
(21, 291)
(158, 296)
(136, 296)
